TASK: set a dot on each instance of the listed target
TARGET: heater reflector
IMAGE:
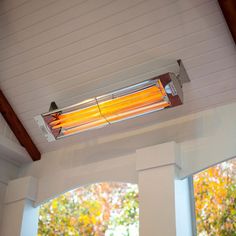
(151, 95)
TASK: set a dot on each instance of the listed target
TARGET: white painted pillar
(159, 193)
(20, 217)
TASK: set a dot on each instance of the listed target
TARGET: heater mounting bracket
(183, 75)
(53, 106)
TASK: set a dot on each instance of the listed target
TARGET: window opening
(215, 200)
(103, 209)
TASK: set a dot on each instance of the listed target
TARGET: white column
(158, 195)
(20, 217)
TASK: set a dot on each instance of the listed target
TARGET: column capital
(21, 189)
(158, 156)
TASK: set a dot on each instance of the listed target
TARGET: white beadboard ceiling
(67, 51)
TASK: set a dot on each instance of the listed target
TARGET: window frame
(192, 205)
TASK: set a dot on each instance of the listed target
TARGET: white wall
(2, 196)
(20, 217)
(5, 131)
(8, 171)
(215, 142)
(60, 180)
(10, 153)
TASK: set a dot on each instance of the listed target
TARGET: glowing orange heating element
(157, 93)
(115, 109)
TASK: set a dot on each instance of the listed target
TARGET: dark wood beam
(18, 128)
(229, 11)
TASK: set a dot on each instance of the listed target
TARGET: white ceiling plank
(67, 52)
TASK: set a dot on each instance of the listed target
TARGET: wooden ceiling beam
(228, 8)
(18, 128)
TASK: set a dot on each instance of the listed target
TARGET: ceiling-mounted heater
(161, 92)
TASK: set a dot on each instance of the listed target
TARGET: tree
(90, 210)
(215, 200)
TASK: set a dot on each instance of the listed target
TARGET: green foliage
(129, 210)
(215, 200)
(90, 211)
